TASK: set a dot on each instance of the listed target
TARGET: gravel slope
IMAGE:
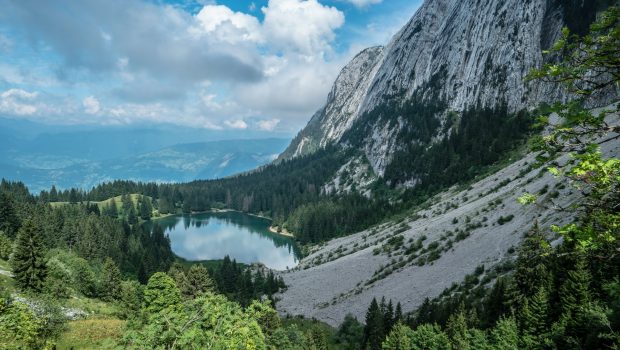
(329, 288)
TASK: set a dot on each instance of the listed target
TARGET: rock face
(464, 53)
(342, 107)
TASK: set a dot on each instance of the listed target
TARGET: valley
(459, 188)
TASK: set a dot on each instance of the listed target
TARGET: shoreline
(272, 229)
(284, 232)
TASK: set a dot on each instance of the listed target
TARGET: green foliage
(400, 338)
(350, 333)
(6, 246)
(208, 322)
(160, 293)
(131, 298)
(199, 281)
(111, 280)
(429, 337)
(28, 260)
(590, 65)
(374, 329)
(19, 327)
(9, 221)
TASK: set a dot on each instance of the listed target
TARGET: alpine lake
(213, 235)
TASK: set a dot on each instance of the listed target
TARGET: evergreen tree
(373, 331)
(400, 338)
(199, 280)
(457, 330)
(160, 293)
(6, 246)
(398, 314)
(388, 318)
(111, 280)
(180, 278)
(28, 261)
(533, 317)
(350, 333)
(505, 335)
(574, 292)
(9, 222)
(429, 337)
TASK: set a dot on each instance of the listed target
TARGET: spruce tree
(28, 262)
(398, 314)
(177, 273)
(9, 222)
(575, 291)
(373, 332)
(111, 280)
(199, 280)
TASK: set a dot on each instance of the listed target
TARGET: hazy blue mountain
(66, 156)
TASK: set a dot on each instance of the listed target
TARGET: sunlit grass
(91, 334)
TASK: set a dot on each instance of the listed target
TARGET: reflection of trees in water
(240, 221)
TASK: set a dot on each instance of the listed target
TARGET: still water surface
(210, 236)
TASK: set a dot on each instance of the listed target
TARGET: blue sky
(222, 65)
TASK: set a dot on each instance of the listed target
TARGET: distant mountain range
(42, 156)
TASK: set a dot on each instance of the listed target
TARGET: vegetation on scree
(564, 297)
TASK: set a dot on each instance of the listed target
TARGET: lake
(246, 238)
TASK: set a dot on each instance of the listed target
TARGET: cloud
(305, 26)
(151, 62)
(91, 105)
(268, 125)
(363, 3)
(236, 124)
(226, 25)
(155, 40)
(5, 43)
(18, 102)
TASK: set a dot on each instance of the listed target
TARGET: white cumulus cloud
(363, 3)
(306, 26)
(236, 124)
(18, 102)
(91, 105)
(268, 125)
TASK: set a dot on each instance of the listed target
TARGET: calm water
(243, 237)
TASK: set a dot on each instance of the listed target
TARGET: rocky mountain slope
(431, 248)
(454, 55)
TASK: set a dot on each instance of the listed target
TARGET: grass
(93, 306)
(135, 198)
(91, 334)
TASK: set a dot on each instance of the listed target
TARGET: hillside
(462, 228)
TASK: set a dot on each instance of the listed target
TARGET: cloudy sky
(221, 65)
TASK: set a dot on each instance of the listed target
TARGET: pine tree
(28, 262)
(398, 315)
(531, 272)
(457, 330)
(199, 280)
(388, 318)
(177, 273)
(533, 314)
(111, 280)
(575, 291)
(9, 222)
(373, 332)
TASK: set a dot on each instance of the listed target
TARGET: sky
(263, 65)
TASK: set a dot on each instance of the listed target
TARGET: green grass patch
(91, 334)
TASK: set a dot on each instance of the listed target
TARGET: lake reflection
(243, 237)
